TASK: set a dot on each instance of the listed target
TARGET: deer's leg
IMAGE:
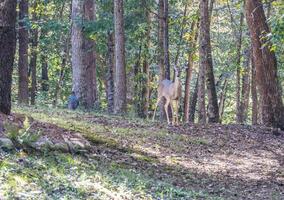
(166, 109)
(176, 111)
(156, 108)
(173, 111)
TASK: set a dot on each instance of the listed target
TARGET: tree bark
(254, 92)
(192, 46)
(206, 63)
(44, 74)
(166, 40)
(193, 102)
(120, 105)
(146, 70)
(7, 51)
(238, 73)
(161, 53)
(223, 99)
(110, 73)
(23, 64)
(83, 53)
(33, 60)
(244, 102)
(266, 66)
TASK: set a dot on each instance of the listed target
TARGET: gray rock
(77, 142)
(60, 146)
(42, 143)
(6, 143)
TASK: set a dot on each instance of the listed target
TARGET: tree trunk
(120, 105)
(266, 66)
(138, 104)
(44, 74)
(7, 52)
(206, 63)
(161, 53)
(244, 102)
(223, 99)
(33, 60)
(110, 67)
(83, 53)
(238, 73)
(254, 92)
(193, 102)
(166, 39)
(23, 65)
(146, 70)
(192, 45)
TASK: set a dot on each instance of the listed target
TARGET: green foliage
(53, 21)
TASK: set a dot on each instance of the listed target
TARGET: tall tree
(146, 70)
(239, 37)
(206, 59)
(166, 39)
(206, 68)
(44, 73)
(253, 91)
(192, 49)
(266, 66)
(110, 73)
(83, 52)
(193, 102)
(23, 64)
(7, 51)
(161, 51)
(120, 105)
(34, 53)
(245, 91)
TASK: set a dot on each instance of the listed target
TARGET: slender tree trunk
(193, 102)
(245, 88)
(7, 51)
(254, 92)
(110, 73)
(161, 53)
(166, 39)
(146, 70)
(239, 36)
(83, 53)
(120, 105)
(44, 74)
(23, 91)
(138, 104)
(206, 63)
(266, 66)
(33, 60)
(194, 30)
(223, 99)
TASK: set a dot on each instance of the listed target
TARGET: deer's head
(177, 71)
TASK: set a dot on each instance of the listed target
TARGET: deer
(171, 91)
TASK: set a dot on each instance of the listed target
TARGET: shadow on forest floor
(132, 159)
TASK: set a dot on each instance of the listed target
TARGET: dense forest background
(158, 35)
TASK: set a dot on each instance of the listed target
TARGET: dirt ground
(227, 161)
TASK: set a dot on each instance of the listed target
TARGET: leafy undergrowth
(135, 159)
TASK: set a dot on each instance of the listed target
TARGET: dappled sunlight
(128, 159)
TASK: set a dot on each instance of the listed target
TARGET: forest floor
(136, 159)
